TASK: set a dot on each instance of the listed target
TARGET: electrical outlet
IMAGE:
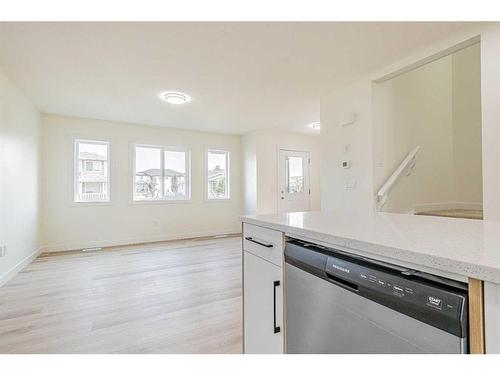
(3, 249)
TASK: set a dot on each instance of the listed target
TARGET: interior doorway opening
(427, 138)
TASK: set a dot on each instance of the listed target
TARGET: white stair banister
(406, 166)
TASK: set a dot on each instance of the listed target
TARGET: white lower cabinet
(263, 306)
(492, 317)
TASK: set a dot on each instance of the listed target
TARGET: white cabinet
(492, 317)
(263, 305)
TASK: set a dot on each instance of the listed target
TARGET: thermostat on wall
(346, 164)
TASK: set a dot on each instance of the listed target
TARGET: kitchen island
(460, 249)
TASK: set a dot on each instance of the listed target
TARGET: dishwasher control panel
(393, 286)
(400, 289)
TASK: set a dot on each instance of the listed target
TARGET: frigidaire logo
(434, 301)
(341, 268)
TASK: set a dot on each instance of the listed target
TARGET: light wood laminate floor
(171, 297)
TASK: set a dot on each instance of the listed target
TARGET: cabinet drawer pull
(276, 328)
(259, 242)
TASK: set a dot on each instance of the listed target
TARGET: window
(161, 173)
(217, 174)
(91, 171)
(295, 175)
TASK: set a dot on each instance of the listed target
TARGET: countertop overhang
(464, 247)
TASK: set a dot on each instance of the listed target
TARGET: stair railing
(406, 167)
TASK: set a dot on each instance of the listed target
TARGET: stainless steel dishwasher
(340, 303)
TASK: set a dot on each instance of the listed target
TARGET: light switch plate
(3, 249)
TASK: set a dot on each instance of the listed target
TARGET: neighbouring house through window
(218, 174)
(161, 173)
(91, 171)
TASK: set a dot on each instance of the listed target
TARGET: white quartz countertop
(460, 246)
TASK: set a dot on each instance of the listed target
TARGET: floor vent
(92, 249)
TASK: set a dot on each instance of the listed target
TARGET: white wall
(261, 179)
(249, 155)
(352, 142)
(467, 148)
(19, 178)
(67, 225)
(358, 97)
(490, 111)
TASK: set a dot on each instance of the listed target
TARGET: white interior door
(294, 193)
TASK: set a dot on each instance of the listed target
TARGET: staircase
(405, 169)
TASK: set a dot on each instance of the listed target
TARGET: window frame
(227, 197)
(187, 197)
(76, 144)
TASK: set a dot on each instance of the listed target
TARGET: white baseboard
(19, 267)
(425, 207)
(131, 241)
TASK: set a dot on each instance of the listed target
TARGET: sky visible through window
(216, 159)
(295, 165)
(148, 158)
(99, 149)
(175, 160)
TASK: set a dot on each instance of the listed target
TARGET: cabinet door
(263, 306)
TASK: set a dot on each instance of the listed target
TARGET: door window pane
(92, 172)
(175, 178)
(218, 174)
(147, 179)
(295, 175)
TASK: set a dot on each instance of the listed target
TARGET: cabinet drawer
(263, 242)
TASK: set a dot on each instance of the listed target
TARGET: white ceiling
(241, 76)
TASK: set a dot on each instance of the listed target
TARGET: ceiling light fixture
(174, 97)
(315, 125)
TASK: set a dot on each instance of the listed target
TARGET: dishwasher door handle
(251, 239)
(277, 329)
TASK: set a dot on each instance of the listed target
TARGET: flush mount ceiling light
(174, 97)
(315, 125)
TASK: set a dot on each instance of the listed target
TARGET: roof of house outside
(216, 173)
(84, 155)
(155, 172)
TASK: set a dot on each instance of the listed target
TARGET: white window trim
(228, 175)
(162, 148)
(76, 142)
